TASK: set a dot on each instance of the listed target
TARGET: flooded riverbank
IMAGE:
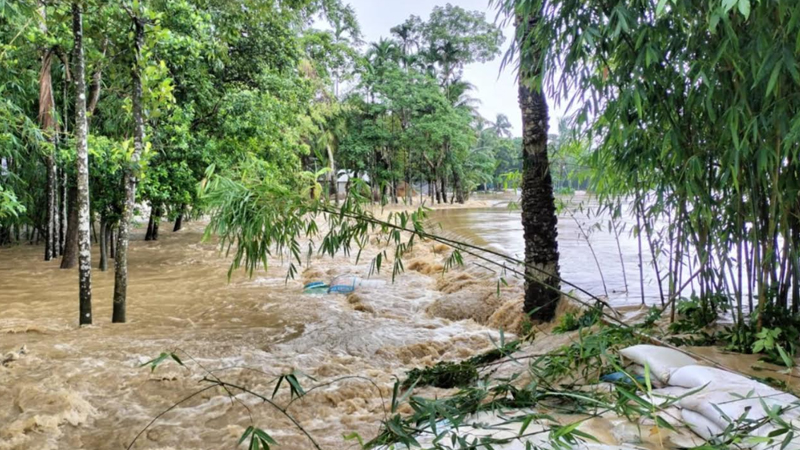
(499, 227)
(83, 388)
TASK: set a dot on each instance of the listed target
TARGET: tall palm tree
(382, 52)
(501, 126)
(458, 93)
(408, 35)
(539, 219)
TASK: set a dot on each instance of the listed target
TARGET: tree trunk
(130, 175)
(148, 236)
(47, 121)
(62, 214)
(104, 230)
(156, 222)
(443, 189)
(70, 258)
(93, 229)
(539, 218)
(179, 221)
(458, 188)
(82, 159)
(50, 206)
(112, 243)
(332, 178)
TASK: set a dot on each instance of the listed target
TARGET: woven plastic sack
(662, 361)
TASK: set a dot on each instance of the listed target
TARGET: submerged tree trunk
(179, 220)
(82, 160)
(156, 223)
(62, 213)
(104, 231)
(458, 188)
(148, 236)
(130, 175)
(152, 225)
(539, 218)
(50, 206)
(112, 243)
(443, 188)
(70, 258)
(47, 121)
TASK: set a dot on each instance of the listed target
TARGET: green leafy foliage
(571, 321)
(691, 111)
(259, 439)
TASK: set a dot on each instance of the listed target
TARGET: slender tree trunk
(112, 243)
(443, 189)
(93, 229)
(56, 241)
(97, 82)
(129, 181)
(794, 263)
(48, 124)
(156, 222)
(104, 231)
(148, 236)
(539, 218)
(332, 178)
(70, 258)
(179, 220)
(50, 229)
(63, 212)
(82, 158)
(458, 189)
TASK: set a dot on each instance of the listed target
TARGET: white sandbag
(662, 361)
(731, 398)
(693, 376)
(726, 406)
(704, 428)
(669, 394)
(639, 371)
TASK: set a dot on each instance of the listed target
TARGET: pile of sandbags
(717, 404)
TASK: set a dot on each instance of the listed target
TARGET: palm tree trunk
(539, 219)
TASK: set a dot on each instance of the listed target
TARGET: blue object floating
(341, 289)
(621, 377)
(317, 287)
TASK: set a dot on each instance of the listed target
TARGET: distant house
(344, 178)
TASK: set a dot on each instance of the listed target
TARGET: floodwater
(71, 388)
(84, 388)
(594, 266)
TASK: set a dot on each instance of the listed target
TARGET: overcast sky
(496, 90)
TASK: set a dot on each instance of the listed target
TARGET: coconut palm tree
(539, 219)
(501, 126)
(382, 52)
(458, 93)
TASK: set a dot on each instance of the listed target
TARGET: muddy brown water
(84, 388)
(500, 228)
